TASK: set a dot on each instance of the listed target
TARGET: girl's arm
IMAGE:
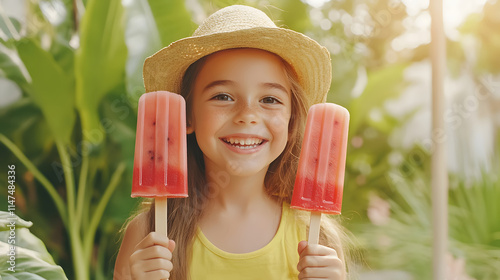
(142, 255)
(134, 233)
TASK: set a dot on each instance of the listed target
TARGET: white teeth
(248, 142)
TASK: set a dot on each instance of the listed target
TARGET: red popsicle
(320, 176)
(160, 160)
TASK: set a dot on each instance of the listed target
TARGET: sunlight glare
(316, 3)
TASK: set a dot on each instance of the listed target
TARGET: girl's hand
(319, 262)
(152, 259)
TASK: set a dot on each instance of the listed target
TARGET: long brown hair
(184, 214)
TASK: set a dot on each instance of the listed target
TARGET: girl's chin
(239, 168)
(244, 170)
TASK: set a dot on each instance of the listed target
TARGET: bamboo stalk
(439, 173)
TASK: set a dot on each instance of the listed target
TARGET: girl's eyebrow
(276, 86)
(218, 83)
(229, 82)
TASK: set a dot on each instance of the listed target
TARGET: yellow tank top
(277, 260)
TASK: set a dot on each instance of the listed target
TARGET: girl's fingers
(152, 258)
(319, 262)
(153, 246)
(171, 245)
(151, 269)
(302, 246)
(155, 265)
(313, 273)
(152, 252)
(153, 238)
(320, 273)
(154, 275)
(315, 250)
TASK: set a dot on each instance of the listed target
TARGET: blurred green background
(71, 76)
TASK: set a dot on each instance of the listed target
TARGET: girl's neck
(234, 192)
(239, 216)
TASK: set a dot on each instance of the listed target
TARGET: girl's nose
(246, 114)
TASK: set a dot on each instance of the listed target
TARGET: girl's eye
(270, 100)
(222, 97)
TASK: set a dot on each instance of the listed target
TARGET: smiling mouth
(243, 143)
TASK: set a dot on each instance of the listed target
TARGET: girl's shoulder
(138, 225)
(136, 229)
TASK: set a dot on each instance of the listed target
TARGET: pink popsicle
(320, 176)
(160, 160)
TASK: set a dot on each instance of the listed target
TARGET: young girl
(248, 85)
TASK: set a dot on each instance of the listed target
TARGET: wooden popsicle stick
(161, 215)
(314, 227)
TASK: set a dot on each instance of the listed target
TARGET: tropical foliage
(400, 236)
(30, 260)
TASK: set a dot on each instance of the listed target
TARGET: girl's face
(240, 110)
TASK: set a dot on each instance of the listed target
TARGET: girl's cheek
(279, 123)
(208, 116)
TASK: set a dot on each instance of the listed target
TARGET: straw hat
(241, 27)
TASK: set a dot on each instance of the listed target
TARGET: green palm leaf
(50, 88)
(172, 19)
(100, 61)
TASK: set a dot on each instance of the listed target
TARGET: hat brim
(165, 69)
